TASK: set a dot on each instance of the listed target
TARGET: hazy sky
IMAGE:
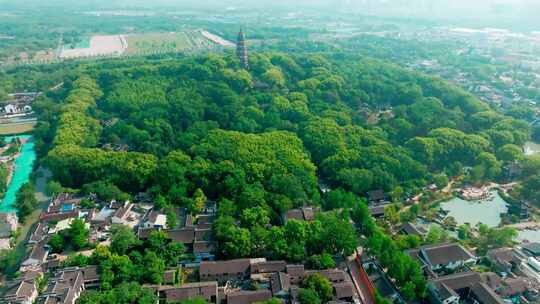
(493, 13)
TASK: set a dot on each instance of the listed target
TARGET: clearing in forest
(167, 42)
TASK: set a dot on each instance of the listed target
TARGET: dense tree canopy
(264, 141)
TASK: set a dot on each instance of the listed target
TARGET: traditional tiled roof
(443, 254)
(185, 235)
(248, 296)
(204, 247)
(485, 295)
(533, 248)
(459, 280)
(280, 282)
(224, 267)
(19, 292)
(205, 290)
(344, 290)
(268, 266)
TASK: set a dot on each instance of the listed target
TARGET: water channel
(23, 169)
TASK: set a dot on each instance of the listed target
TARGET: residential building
(21, 292)
(155, 219)
(248, 296)
(505, 259)
(464, 287)
(306, 213)
(39, 234)
(410, 229)
(64, 288)
(223, 271)
(121, 215)
(377, 197)
(532, 249)
(443, 256)
(38, 255)
(175, 294)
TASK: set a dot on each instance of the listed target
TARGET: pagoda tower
(242, 51)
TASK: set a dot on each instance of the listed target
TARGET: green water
(23, 170)
(475, 212)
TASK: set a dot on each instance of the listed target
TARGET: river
(23, 169)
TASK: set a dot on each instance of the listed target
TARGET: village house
(279, 278)
(377, 211)
(39, 233)
(155, 219)
(19, 103)
(531, 249)
(204, 251)
(301, 214)
(223, 271)
(15, 108)
(443, 256)
(63, 206)
(504, 259)
(175, 294)
(466, 287)
(21, 292)
(410, 229)
(248, 296)
(122, 215)
(378, 197)
(37, 256)
(67, 285)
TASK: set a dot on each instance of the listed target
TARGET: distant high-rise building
(241, 50)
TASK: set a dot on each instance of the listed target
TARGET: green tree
(509, 153)
(199, 200)
(154, 267)
(25, 201)
(122, 239)
(440, 180)
(57, 243)
(78, 234)
(320, 285)
(53, 188)
(256, 216)
(321, 261)
(308, 296)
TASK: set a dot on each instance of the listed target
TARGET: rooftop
(444, 254)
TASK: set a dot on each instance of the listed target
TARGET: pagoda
(241, 50)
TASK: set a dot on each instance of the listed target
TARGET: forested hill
(267, 136)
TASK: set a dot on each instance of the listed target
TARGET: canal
(23, 169)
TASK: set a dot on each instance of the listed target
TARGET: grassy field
(17, 128)
(171, 42)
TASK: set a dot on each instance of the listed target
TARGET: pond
(531, 148)
(474, 212)
(532, 236)
(23, 169)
